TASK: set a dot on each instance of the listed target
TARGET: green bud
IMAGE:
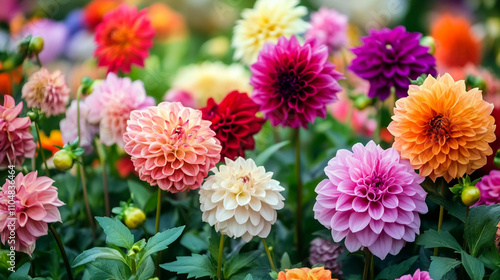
(64, 160)
(496, 159)
(33, 116)
(419, 81)
(470, 195)
(362, 101)
(134, 217)
(428, 41)
(36, 45)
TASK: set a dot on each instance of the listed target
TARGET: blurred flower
(443, 129)
(171, 146)
(456, 44)
(54, 34)
(125, 167)
(16, 141)
(86, 69)
(371, 198)
(217, 47)
(489, 186)
(235, 122)
(293, 83)
(388, 58)
(123, 38)
(36, 205)
(55, 138)
(7, 79)
(317, 273)
(326, 253)
(419, 275)
(95, 11)
(359, 120)
(211, 80)
(74, 21)
(241, 199)
(266, 22)
(110, 105)
(9, 9)
(495, 99)
(492, 83)
(330, 28)
(46, 91)
(497, 237)
(69, 126)
(182, 96)
(167, 23)
(81, 46)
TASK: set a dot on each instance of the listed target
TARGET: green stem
(298, 214)
(376, 133)
(40, 149)
(157, 229)
(38, 61)
(466, 216)
(86, 199)
(441, 214)
(102, 158)
(368, 261)
(63, 252)
(134, 269)
(268, 253)
(219, 260)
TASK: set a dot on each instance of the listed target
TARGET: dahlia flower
(419, 275)
(16, 142)
(36, 205)
(123, 38)
(317, 273)
(110, 105)
(371, 198)
(211, 80)
(235, 123)
(95, 10)
(329, 27)
(443, 129)
(69, 126)
(266, 22)
(171, 146)
(388, 59)
(324, 252)
(293, 83)
(182, 96)
(241, 199)
(167, 23)
(46, 91)
(490, 188)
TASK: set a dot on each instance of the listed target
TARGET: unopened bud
(63, 160)
(134, 217)
(428, 41)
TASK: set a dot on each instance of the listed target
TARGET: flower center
(439, 127)
(289, 83)
(120, 36)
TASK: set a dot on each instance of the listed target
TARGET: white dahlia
(241, 199)
(266, 22)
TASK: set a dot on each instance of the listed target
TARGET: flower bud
(362, 101)
(36, 45)
(496, 159)
(470, 195)
(63, 160)
(134, 217)
(428, 41)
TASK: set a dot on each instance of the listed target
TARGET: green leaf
(249, 277)
(285, 261)
(116, 232)
(490, 257)
(480, 227)
(193, 242)
(440, 266)
(145, 271)
(98, 253)
(266, 154)
(21, 273)
(473, 266)
(495, 274)
(139, 193)
(397, 270)
(455, 209)
(195, 266)
(432, 239)
(160, 241)
(240, 261)
(108, 269)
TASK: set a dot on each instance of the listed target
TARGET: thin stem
(368, 260)
(86, 199)
(40, 149)
(271, 262)
(102, 158)
(134, 269)
(157, 229)
(372, 268)
(219, 260)
(38, 61)
(298, 214)
(63, 252)
(441, 214)
(464, 246)
(376, 133)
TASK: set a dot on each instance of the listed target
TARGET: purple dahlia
(326, 253)
(371, 198)
(389, 59)
(293, 83)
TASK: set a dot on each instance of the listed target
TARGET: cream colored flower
(241, 199)
(266, 22)
(212, 79)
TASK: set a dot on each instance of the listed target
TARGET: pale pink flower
(182, 96)
(69, 126)
(36, 205)
(329, 27)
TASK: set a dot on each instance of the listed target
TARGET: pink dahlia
(36, 205)
(293, 83)
(419, 275)
(182, 96)
(371, 198)
(47, 91)
(110, 105)
(329, 27)
(16, 142)
(490, 188)
(171, 146)
(69, 126)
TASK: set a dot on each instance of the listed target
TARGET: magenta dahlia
(490, 188)
(419, 275)
(388, 59)
(371, 198)
(326, 253)
(293, 83)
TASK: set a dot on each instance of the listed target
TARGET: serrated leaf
(397, 270)
(432, 239)
(266, 154)
(98, 253)
(441, 265)
(480, 227)
(160, 241)
(116, 232)
(107, 270)
(473, 266)
(195, 266)
(239, 261)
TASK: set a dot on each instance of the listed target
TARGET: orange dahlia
(95, 11)
(317, 273)
(443, 129)
(456, 44)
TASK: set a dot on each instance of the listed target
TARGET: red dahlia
(235, 123)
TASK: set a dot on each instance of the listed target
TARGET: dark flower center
(439, 127)
(289, 83)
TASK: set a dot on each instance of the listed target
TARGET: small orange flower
(317, 273)
(55, 138)
(456, 45)
(7, 78)
(443, 129)
(95, 11)
(167, 23)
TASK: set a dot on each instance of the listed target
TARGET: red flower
(235, 123)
